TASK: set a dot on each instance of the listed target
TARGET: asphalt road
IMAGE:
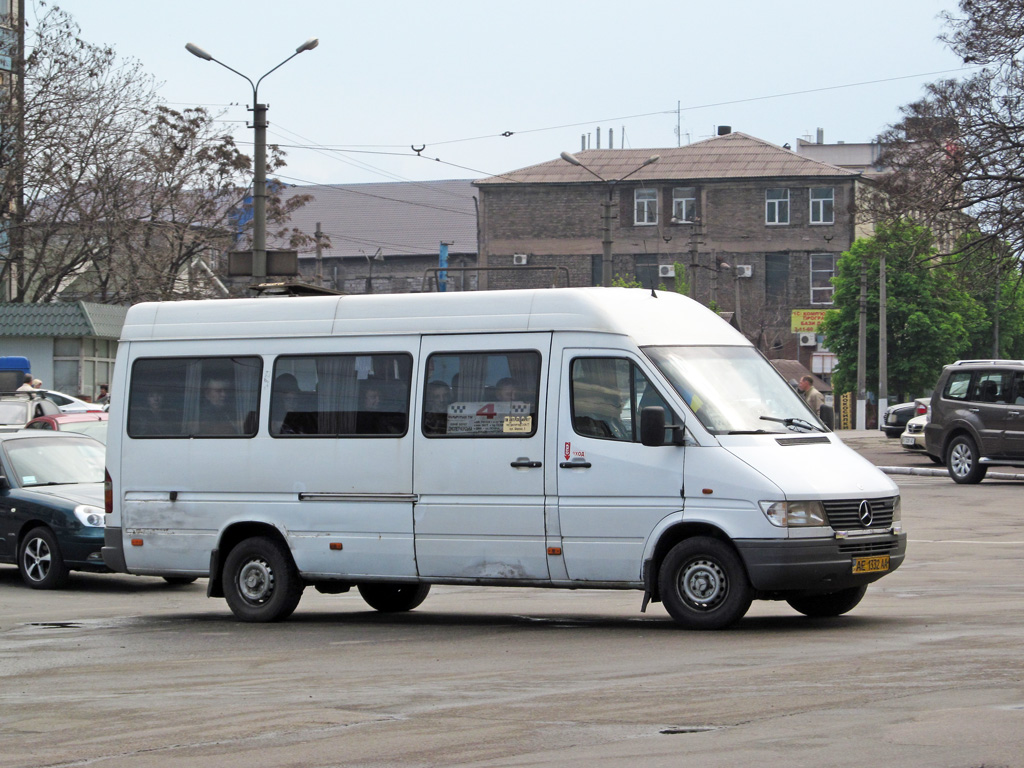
(926, 672)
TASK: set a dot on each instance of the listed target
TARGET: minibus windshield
(734, 390)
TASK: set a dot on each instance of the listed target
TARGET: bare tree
(124, 199)
(957, 156)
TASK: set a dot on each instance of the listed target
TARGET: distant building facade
(754, 228)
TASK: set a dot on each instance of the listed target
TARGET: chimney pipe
(724, 130)
(821, 135)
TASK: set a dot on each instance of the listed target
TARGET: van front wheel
(393, 598)
(261, 582)
(704, 585)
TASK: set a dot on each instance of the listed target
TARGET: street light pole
(259, 183)
(606, 211)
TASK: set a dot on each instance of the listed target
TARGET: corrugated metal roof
(734, 156)
(401, 218)
(77, 318)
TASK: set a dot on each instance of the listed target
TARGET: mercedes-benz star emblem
(865, 514)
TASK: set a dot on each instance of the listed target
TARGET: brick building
(753, 227)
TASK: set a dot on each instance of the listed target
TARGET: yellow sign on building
(806, 320)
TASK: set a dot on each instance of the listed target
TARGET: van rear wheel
(704, 585)
(394, 597)
(832, 604)
(261, 582)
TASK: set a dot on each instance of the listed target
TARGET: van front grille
(846, 514)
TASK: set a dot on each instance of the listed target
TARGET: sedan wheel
(40, 562)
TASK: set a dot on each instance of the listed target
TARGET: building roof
(400, 218)
(733, 156)
(78, 318)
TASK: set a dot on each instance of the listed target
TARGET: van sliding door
(479, 460)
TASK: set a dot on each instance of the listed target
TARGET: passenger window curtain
(337, 395)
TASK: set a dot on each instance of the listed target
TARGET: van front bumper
(817, 565)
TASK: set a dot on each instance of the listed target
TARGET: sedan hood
(78, 493)
(811, 466)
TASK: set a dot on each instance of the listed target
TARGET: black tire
(704, 585)
(391, 597)
(40, 562)
(261, 582)
(831, 604)
(962, 460)
(179, 581)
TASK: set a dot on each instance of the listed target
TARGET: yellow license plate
(871, 564)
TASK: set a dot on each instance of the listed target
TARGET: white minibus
(603, 438)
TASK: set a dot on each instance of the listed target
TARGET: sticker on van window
(522, 424)
(28, 480)
(486, 418)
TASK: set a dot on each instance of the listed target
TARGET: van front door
(479, 457)
(612, 490)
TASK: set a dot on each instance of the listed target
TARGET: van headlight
(89, 516)
(794, 514)
(897, 516)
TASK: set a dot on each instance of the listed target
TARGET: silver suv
(977, 418)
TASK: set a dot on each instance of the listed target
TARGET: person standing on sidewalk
(811, 395)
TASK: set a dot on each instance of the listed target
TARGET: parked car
(69, 404)
(895, 417)
(91, 423)
(912, 438)
(19, 408)
(977, 417)
(51, 505)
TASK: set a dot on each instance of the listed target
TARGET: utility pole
(883, 340)
(319, 257)
(862, 334)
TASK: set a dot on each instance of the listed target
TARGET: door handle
(575, 465)
(524, 463)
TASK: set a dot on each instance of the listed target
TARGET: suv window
(991, 387)
(957, 385)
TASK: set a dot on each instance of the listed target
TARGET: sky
(482, 88)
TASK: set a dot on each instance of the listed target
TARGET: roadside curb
(928, 472)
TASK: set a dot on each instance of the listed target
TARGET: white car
(912, 438)
(69, 404)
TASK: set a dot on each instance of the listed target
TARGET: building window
(823, 269)
(646, 270)
(646, 206)
(776, 278)
(776, 206)
(823, 205)
(684, 205)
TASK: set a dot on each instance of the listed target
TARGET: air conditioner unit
(744, 270)
(667, 270)
(808, 340)
(520, 259)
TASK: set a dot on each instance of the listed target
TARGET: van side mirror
(652, 427)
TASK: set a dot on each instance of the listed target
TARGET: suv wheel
(962, 461)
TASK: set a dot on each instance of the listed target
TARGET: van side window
(481, 394)
(194, 397)
(607, 396)
(341, 395)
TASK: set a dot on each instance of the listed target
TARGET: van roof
(663, 318)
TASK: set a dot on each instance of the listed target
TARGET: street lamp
(259, 184)
(606, 242)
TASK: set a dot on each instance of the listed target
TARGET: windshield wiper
(793, 421)
(749, 432)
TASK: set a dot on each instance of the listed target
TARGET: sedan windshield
(49, 461)
(734, 390)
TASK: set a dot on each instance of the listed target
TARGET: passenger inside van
(216, 412)
(437, 398)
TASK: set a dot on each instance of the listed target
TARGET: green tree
(930, 316)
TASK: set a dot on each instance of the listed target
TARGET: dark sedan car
(51, 505)
(895, 418)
